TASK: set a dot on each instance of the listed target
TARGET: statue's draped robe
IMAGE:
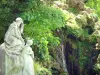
(13, 46)
(18, 60)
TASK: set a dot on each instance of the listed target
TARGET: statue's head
(29, 42)
(19, 21)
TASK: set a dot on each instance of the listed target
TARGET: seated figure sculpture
(13, 47)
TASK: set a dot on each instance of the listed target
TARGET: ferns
(41, 22)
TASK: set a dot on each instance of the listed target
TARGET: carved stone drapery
(14, 49)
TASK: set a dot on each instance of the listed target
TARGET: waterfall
(61, 58)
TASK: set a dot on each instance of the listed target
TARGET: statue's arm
(22, 28)
(32, 55)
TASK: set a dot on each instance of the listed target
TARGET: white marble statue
(28, 57)
(14, 47)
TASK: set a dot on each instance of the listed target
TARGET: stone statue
(13, 39)
(28, 55)
(14, 46)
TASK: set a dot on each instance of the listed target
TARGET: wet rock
(92, 19)
(97, 26)
(97, 65)
(98, 44)
(78, 4)
(98, 59)
(59, 4)
(81, 20)
(84, 13)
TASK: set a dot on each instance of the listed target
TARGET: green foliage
(41, 21)
(84, 53)
(95, 4)
(97, 68)
(64, 74)
(41, 24)
(5, 16)
(10, 9)
(79, 32)
(73, 10)
(39, 70)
